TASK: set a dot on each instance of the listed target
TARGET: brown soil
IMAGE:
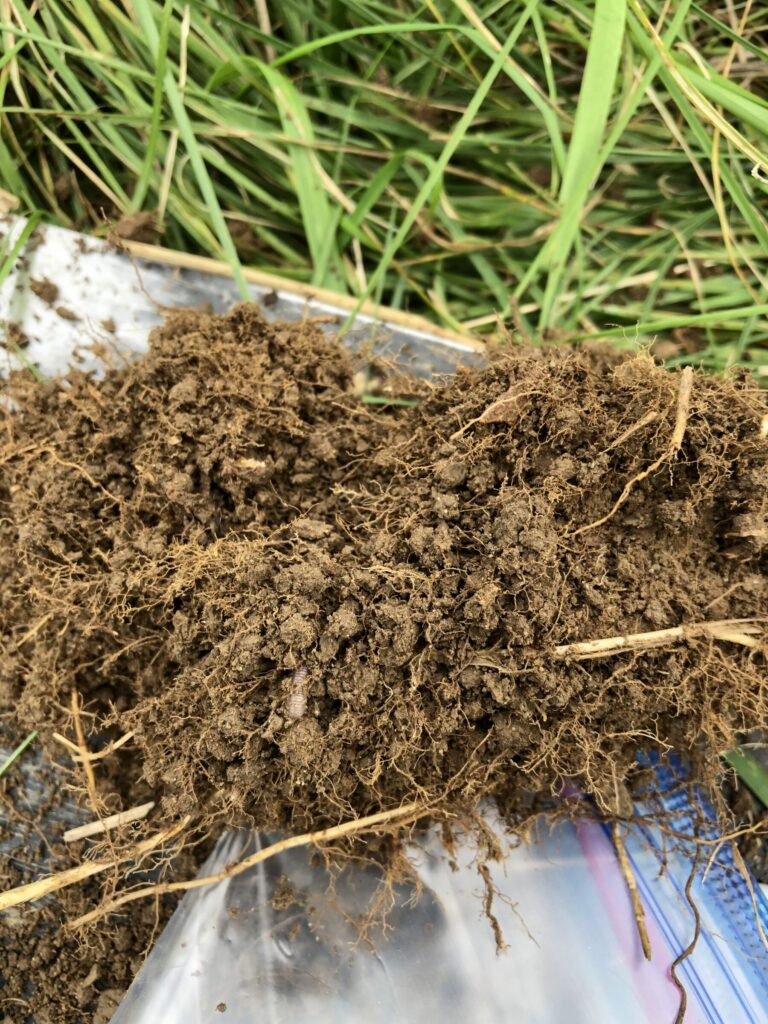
(50, 976)
(45, 290)
(308, 611)
(15, 337)
(66, 314)
(141, 227)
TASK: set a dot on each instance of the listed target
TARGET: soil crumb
(137, 227)
(306, 609)
(16, 337)
(66, 313)
(45, 290)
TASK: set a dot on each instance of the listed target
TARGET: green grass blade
(142, 185)
(752, 110)
(18, 246)
(750, 771)
(695, 320)
(625, 114)
(187, 135)
(319, 217)
(366, 202)
(389, 29)
(452, 144)
(582, 162)
(384, 400)
(12, 52)
(725, 31)
(16, 754)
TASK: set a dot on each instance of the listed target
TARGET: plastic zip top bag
(280, 943)
(685, 872)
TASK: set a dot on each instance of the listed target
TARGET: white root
(93, 828)
(736, 631)
(43, 886)
(79, 757)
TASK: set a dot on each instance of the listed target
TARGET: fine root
(82, 749)
(92, 755)
(406, 814)
(680, 1017)
(746, 875)
(252, 520)
(678, 433)
(44, 886)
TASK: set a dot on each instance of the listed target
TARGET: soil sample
(306, 609)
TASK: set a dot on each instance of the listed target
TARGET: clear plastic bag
(272, 944)
(727, 974)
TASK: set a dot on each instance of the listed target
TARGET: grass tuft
(572, 168)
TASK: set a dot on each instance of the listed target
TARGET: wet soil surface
(307, 609)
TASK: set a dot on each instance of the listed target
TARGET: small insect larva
(296, 699)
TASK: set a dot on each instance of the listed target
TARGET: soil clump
(308, 609)
(186, 535)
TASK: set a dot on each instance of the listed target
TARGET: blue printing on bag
(726, 897)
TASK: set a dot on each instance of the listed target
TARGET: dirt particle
(185, 392)
(302, 743)
(450, 473)
(285, 895)
(138, 227)
(17, 338)
(106, 1004)
(298, 631)
(44, 289)
(66, 313)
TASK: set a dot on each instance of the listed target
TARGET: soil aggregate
(51, 976)
(307, 608)
(44, 289)
(15, 338)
